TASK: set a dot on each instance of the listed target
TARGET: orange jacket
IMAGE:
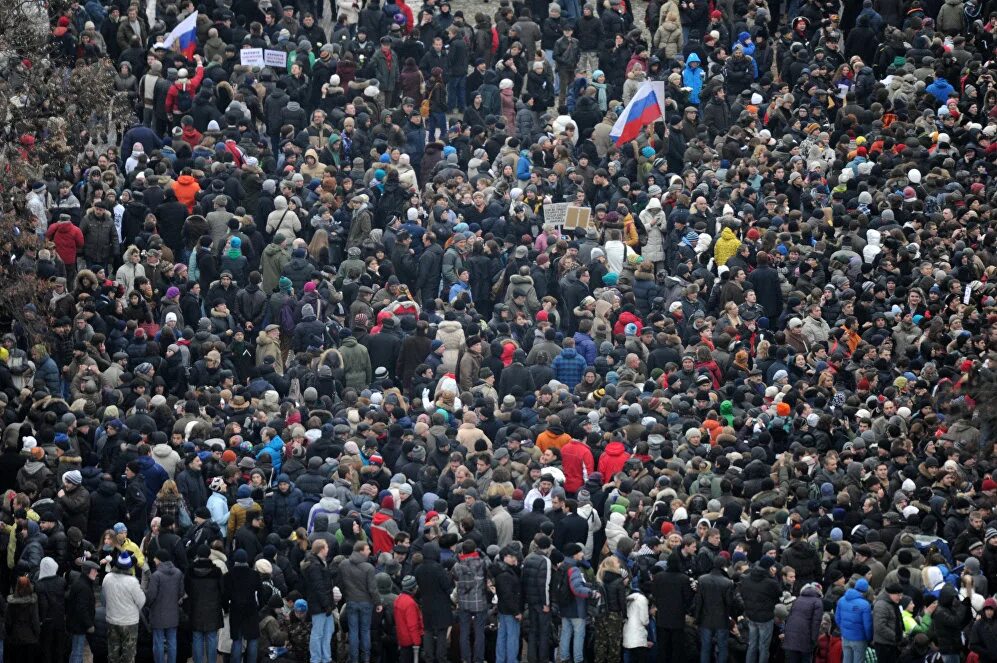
(186, 189)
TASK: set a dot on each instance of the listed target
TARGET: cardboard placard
(577, 217)
(275, 58)
(251, 57)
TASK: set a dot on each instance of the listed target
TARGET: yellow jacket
(726, 246)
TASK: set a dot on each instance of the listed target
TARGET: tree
(52, 107)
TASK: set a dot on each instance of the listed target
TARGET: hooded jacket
(853, 614)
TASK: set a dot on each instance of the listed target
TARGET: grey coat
(162, 596)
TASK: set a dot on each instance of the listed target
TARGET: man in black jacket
(538, 569)
(435, 586)
(571, 528)
(715, 604)
(81, 608)
(508, 588)
(205, 603)
(318, 593)
(760, 592)
(673, 592)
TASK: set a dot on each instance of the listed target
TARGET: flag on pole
(184, 35)
(647, 105)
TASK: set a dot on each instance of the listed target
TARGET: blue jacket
(154, 475)
(569, 367)
(274, 448)
(524, 166)
(580, 590)
(853, 614)
(693, 78)
(940, 89)
(48, 372)
(585, 346)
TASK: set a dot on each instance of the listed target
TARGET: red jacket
(612, 460)
(68, 240)
(190, 86)
(408, 621)
(626, 318)
(577, 463)
(383, 529)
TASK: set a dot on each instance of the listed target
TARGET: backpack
(560, 587)
(287, 315)
(185, 100)
(597, 607)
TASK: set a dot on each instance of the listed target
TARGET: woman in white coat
(635, 640)
(653, 218)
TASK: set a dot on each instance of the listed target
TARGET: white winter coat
(614, 531)
(123, 599)
(635, 629)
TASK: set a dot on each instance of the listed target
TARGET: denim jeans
(475, 620)
(759, 639)
(706, 638)
(507, 647)
(572, 629)
(358, 616)
(205, 646)
(167, 637)
(320, 643)
(456, 92)
(537, 635)
(79, 645)
(237, 650)
(853, 651)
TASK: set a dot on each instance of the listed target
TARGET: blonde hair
(609, 564)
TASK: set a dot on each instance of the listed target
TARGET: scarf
(245, 502)
(600, 95)
(234, 253)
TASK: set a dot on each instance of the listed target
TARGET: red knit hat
(667, 528)
(387, 502)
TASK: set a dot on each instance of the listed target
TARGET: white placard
(275, 58)
(251, 57)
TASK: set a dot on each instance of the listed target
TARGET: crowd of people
(313, 374)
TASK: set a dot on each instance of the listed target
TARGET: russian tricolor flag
(646, 106)
(184, 35)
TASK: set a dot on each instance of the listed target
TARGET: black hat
(572, 549)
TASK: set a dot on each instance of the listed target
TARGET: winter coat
(569, 367)
(358, 372)
(803, 623)
(163, 596)
(853, 614)
(638, 617)
(123, 598)
(673, 596)
(537, 573)
(760, 593)
(318, 580)
(409, 627)
(715, 601)
(577, 463)
(435, 587)
(653, 219)
(508, 588)
(887, 623)
(356, 580)
(21, 622)
(242, 593)
(469, 576)
(579, 591)
(272, 266)
(81, 607)
(205, 594)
